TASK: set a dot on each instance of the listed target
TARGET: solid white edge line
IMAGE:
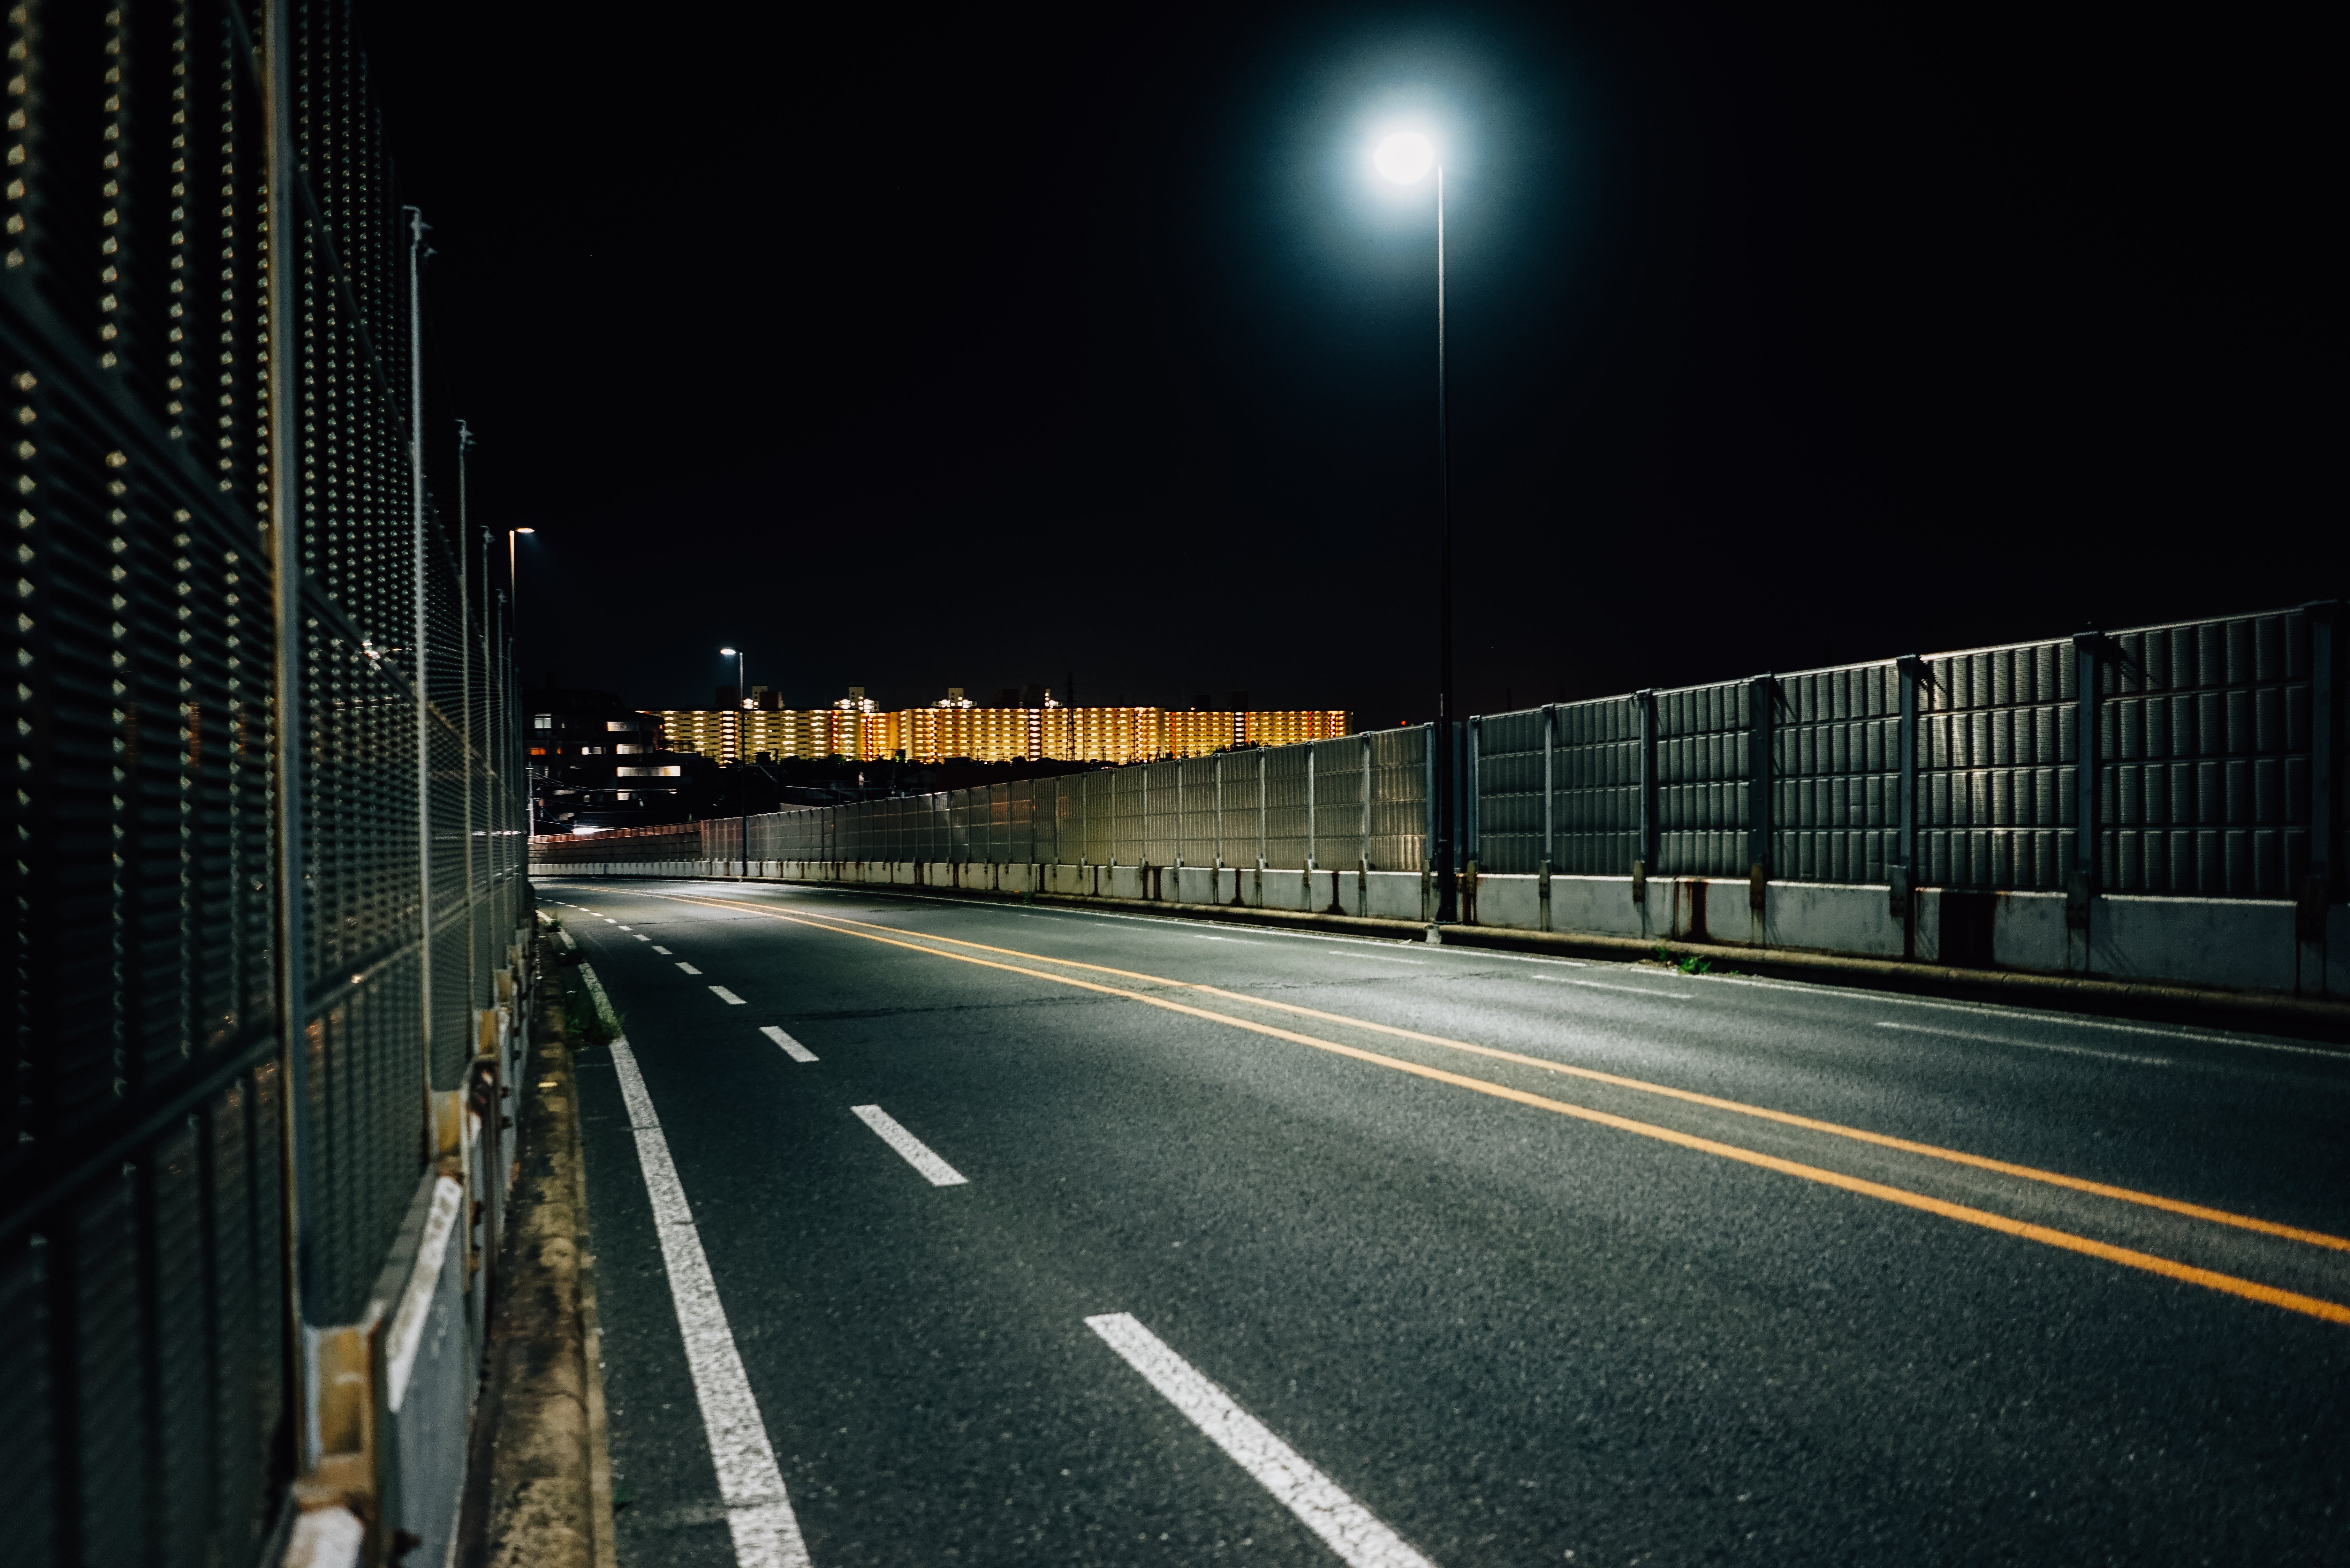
(727, 996)
(911, 1148)
(758, 1510)
(2027, 1044)
(791, 1048)
(1346, 1526)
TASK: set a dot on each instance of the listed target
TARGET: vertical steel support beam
(289, 910)
(1550, 784)
(422, 658)
(1309, 805)
(1365, 791)
(2318, 889)
(1762, 703)
(2082, 885)
(1260, 823)
(1216, 776)
(476, 747)
(1428, 763)
(1902, 877)
(1472, 792)
(1645, 826)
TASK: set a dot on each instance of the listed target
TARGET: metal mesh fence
(145, 1396)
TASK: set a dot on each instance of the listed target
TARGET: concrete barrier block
(1285, 888)
(1124, 882)
(2337, 950)
(1832, 917)
(1394, 896)
(1602, 905)
(2246, 944)
(2027, 932)
(1512, 902)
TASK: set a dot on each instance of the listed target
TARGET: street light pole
(1404, 158)
(1447, 905)
(741, 755)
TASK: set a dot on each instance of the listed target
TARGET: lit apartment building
(855, 729)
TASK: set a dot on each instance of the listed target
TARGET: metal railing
(266, 829)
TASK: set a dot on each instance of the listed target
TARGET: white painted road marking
(724, 995)
(758, 1510)
(687, 967)
(642, 937)
(1602, 985)
(1346, 1526)
(916, 1153)
(661, 950)
(791, 1048)
(2028, 1045)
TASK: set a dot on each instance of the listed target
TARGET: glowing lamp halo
(1404, 157)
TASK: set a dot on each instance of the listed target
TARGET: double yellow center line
(2251, 1290)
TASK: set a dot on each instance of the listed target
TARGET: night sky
(983, 347)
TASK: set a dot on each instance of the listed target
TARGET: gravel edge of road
(539, 1484)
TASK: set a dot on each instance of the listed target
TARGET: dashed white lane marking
(724, 995)
(917, 1154)
(791, 1048)
(661, 950)
(1602, 985)
(1346, 1526)
(624, 927)
(642, 937)
(2028, 1045)
(607, 920)
(687, 967)
(758, 1510)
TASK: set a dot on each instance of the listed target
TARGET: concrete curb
(2324, 1021)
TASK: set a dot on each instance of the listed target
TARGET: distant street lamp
(513, 585)
(1407, 158)
(742, 754)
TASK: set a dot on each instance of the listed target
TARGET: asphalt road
(1090, 1239)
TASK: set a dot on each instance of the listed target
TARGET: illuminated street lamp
(513, 585)
(741, 755)
(1407, 157)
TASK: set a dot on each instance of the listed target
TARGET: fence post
(1365, 860)
(420, 635)
(1761, 693)
(1472, 798)
(1903, 879)
(2081, 887)
(1216, 873)
(1644, 856)
(1309, 816)
(290, 916)
(1550, 734)
(2317, 888)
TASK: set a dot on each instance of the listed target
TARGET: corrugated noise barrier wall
(238, 986)
(2213, 772)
